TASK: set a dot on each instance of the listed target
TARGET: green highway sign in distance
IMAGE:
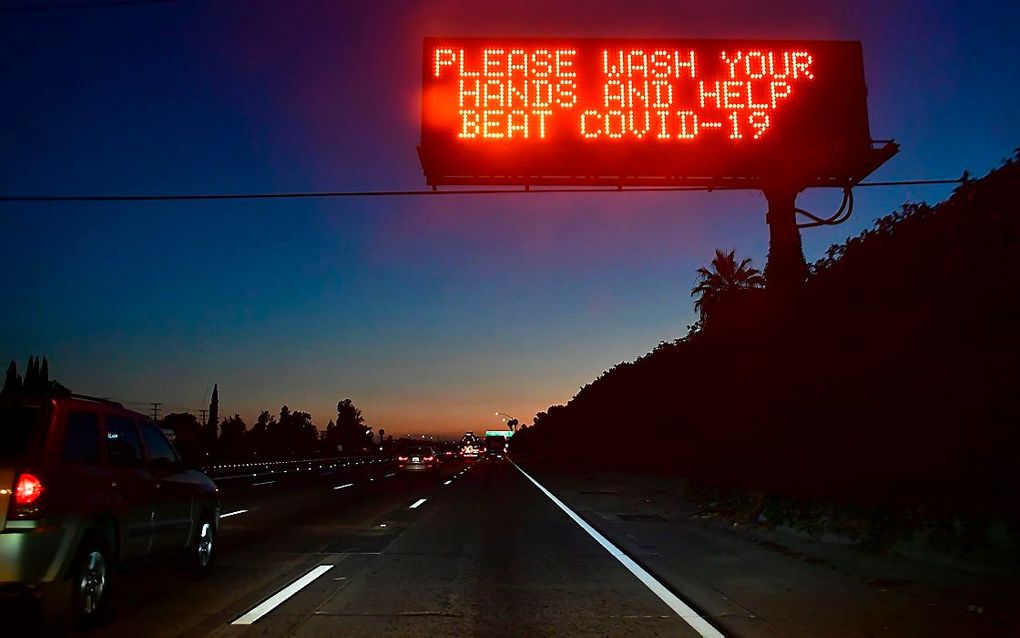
(506, 433)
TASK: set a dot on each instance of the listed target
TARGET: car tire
(90, 583)
(202, 549)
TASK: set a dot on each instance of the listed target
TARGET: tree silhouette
(31, 383)
(232, 437)
(331, 439)
(12, 382)
(35, 382)
(351, 427)
(719, 286)
(260, 439)
(214, 416)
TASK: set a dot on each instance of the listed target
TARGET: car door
(131, 484)
(173, 492)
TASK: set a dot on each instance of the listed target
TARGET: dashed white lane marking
(417, 503)
(448, 482)
(389, 475)
(681, 608)
(344, 486)
(281, 596)
(263, 483)
(233, 513)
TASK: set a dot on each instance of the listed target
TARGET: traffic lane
(254, 514)
(242, 495)
(238, 487)
(486, 555)
(355, 549)
(260, 553)
(259, 514)
(281, 530)
(257, 483)
(244, 492)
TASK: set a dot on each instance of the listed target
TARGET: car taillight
(401, 458)
(27, 490)
(430, 458)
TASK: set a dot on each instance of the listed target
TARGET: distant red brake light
(401, 458)
(28, 489)
(430, 458)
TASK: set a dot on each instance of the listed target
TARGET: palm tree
(726, 278)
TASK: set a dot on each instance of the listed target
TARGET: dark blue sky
(431, 313)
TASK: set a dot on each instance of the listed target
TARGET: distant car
(469, 451)
(86, 485)
(418, 459)
(447, 452)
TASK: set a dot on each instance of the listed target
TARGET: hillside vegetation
(894, 377)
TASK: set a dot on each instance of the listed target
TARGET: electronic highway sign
(643, 112)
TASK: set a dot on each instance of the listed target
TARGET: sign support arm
(786, 269)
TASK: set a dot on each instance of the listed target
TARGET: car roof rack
(85, 397)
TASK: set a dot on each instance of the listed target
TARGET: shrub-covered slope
(894, 376)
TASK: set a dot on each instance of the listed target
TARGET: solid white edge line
(417, 503)
(279, 597)
(345, 485)
(233, 513)
(263, 483)
(678, 606)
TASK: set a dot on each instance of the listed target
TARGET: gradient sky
(431, 313)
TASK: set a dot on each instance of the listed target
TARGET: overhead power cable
(913, 182)
(63, 6)
(414, 193)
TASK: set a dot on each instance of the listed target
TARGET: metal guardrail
(255, 469)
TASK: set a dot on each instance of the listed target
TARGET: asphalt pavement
(363, 550)
(484, 549)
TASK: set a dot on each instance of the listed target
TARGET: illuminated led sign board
(643, 112)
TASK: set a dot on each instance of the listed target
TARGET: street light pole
(511, 422)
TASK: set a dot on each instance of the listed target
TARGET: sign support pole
(786, 269)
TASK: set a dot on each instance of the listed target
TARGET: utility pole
(156, 405)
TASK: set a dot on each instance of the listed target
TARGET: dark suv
(86, 485)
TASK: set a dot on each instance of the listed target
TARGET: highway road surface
(481, 549)
(476, 550)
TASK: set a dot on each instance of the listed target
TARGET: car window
(81, 438)
(22, 431)
(159, 448)
(123, 446)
